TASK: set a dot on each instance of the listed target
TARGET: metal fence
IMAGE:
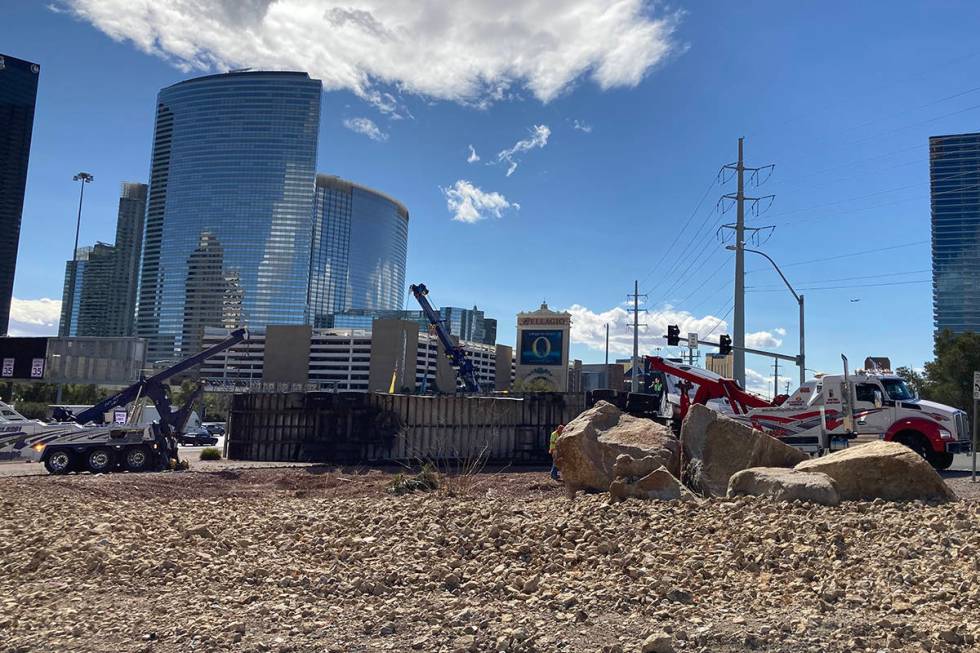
(360, 428)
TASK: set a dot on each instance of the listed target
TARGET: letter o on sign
(541, 351)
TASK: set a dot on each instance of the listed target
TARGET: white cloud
(470, 204)
(589, 328)
(473, 157)
(367, 127)
(765, 339)
(469, 51)
(582, 126)
(34, 317)
(538, 138)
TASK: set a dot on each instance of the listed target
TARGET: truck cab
(826, 411)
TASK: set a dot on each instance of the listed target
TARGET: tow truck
(830, 411)
(465, 372)
(70, 446)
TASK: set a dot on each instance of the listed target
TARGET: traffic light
(724, 345)
(673, 335)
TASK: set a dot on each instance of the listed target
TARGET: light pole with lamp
(83, 178)
(799, 300)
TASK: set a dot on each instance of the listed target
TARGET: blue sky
(641, 108)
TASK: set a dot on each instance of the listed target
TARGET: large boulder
(781, 484)
(658, 484)
(716, 446)
(881, 470)
(587, 449)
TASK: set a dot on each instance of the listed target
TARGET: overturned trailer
(360, 428)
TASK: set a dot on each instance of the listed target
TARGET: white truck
(829, 411)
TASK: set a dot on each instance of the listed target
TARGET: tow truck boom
(464, 368)
(154, 388)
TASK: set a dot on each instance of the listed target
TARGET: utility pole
(775, 376)
(607, 343)
(636, 334)
(738, 336)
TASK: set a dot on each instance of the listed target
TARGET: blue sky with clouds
(600, 128)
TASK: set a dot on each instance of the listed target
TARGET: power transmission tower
(636, 334)
(738, 337)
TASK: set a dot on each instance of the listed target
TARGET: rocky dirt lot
(326, 560)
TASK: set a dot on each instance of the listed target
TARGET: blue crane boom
(153, 387)
(464, 368)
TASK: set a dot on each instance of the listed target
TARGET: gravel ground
(317, 559)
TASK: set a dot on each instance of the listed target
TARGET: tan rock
(781, 484)
(881, 470)
(590, 444)
(718, 446)
(658, 484)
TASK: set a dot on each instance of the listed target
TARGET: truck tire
(59, 462)
(100, 461)
(940, 460)
(916, 442)
(137, 459)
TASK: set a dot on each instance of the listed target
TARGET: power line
(840, 256)
(670, 248)
(867, 276)
(859, 285)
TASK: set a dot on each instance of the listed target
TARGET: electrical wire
(840, 256)
(859, 285)
(868, 276)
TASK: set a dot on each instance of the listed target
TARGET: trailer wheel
(58, 462)
(99, 460)
(916, 442)
(137, 459)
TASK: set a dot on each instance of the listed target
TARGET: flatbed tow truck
(70, 447)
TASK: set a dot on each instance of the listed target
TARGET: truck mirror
(878, 399)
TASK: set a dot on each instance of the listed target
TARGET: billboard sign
(541, 347)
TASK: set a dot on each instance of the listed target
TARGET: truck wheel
(59, 462)
(940, 460)
(915, 442)
(100, 461)
(137, 459)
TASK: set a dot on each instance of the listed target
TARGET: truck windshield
(897, 390)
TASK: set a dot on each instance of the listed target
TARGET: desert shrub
(427, 479)
(210, 453)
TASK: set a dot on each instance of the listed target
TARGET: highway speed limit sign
(976, 385)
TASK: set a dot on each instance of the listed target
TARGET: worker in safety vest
(552, 449)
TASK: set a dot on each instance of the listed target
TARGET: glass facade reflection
(229, 217)
(954, 170)
(360, 243)
(18, 92)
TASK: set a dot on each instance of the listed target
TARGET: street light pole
(799, 300)
(83, 178)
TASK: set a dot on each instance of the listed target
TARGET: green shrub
(427, 479)
(210, 453)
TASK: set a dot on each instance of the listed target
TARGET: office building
(129, 245)
(229, 217)
(954, 175)
(464, 323)
(281, 358)
(87, 297)
(18, 93)
(360, 242)
(100, 286)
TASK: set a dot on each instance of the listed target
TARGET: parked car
(199, 437)
(215, 428)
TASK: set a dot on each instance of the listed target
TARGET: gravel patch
(323, 559)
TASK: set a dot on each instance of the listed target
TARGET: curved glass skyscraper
(360, 242)
(229, 219)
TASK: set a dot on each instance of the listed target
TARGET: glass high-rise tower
(360, 243)
(954, 171)
(229, 218)
(18, 93)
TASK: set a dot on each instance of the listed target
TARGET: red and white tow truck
(829, 411)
